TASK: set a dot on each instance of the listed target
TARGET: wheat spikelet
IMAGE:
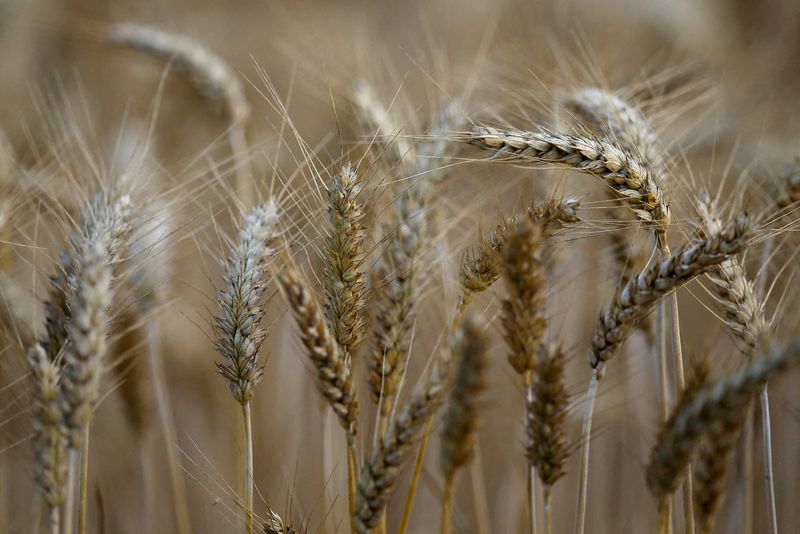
(711, 405)
(49, 434)
(379, 475)
(632, 179)
(274, 524)
(461, 417)
(210, 74)
(333, 378)
(790, 184)
(743, 312)
(636, 299)
(344, 270)
(545, 416)
(239, 333)
(375, 120)
(522, 316)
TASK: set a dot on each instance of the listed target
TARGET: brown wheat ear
(719, 403)
(344, 270)
(333, 377)
(523, 309)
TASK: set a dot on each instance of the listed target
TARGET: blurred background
(719, 80)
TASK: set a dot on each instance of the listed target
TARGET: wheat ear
(49, 433)
(344, 270)
(726, 398)
(240, 335)
(545, 419)
(630, 178)
(209, 73)
(461, 417)
(379, 475)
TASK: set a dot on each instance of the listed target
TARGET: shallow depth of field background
(720, 80)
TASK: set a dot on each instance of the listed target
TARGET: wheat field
(431, 266)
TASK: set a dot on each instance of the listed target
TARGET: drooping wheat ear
(210, 74)
(631, 178)
(546, 415)
(344, 270)
(87, 335)
(636, 299)
(380, 474)
(333, 378)
(608, 115)
(239, 332)
(711, 405)
(480, 267)
(461, 417)
(376, 121)
(523, 309)
(743, 312)
(108, 217)
(49, 433)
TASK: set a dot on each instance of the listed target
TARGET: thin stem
(248, 469)
(412, 490)
(351, 482)
(84, 481)
(663, 326)
(55, 520)
(748, 460)
(586, 431)
(447, 505)
(72, 485)
(532, 499)
(769, 475)
(164, 407)
(238, 142)
(479, 500)
(664, 514)
(548, 511)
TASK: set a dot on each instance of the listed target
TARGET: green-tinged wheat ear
(240, 300)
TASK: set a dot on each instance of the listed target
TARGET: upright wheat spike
(545, 419)
(344, 270)
(209, 73)
(49, 437)
(376, 121)
(461, 417)
(239, 325)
